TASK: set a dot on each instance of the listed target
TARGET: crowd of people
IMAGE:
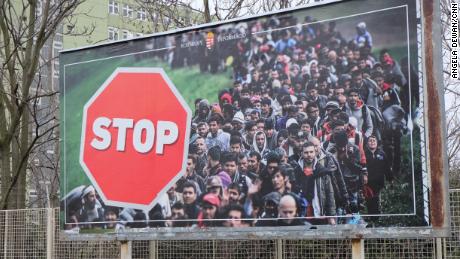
(309, 133)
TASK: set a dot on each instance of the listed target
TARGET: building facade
(97, 21)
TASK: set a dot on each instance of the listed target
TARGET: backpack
(377, 120)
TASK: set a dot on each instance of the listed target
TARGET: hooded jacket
(264, 150)
(200, 116)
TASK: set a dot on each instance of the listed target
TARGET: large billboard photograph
(310, 117)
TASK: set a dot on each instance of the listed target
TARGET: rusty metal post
(357, 248)
(434, 110)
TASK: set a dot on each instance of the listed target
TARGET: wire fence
(26, 234)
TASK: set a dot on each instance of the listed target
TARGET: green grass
(84, 79)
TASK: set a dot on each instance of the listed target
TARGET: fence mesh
(24, 234)
(452, 245)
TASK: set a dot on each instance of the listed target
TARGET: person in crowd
(190, 196)
(243, 164)
(173, 194)
(191, 175)
(215, 186)
(328, 160)
(202, 129)
(111, 218)
(201, 155)
(209, 211)
(250, 129)
(255, 165)
(315, 98)
(203, 112)
(230, 162)
(270, 133)
(288, 212)
(269, 211)
(236, 145)
(234, 193)
(313, 118)
(378, 169)
(234, 215)
(315, 184)
(356, 108)
(363, 37)
(353, 171)
(260, 144)
(178, 216)
(273, 162)
(91, 210)
(213, 167)
(216, 136)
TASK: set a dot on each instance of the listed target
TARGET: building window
(113, 34)
(113, 7)
(36, 162)
(141, 14)
(32, 193)
(126, 35)
(57, 45)
(127, 11)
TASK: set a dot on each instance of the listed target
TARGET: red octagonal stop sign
(134, 139)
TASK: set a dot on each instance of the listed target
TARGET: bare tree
(169, 14)
(25, 28)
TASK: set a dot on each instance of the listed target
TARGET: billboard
(307, 119)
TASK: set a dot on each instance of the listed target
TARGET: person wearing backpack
(357, 109)
(369, 91)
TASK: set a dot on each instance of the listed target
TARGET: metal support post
(153, 249)
(357, 248)
(5, 237)
(126, 250)
(279, 249)
(439, 248)
(50, 227)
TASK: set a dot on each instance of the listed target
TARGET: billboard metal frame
(436, 159)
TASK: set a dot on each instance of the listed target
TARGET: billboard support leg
(50, 233)
(153, 249)
(5, 236)
(357, 248)
(439, 249)
(279, 249)
(126, 249)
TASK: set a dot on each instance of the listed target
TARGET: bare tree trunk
(10, 198)
(21, 185)
(5, 168)
(207, 13)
